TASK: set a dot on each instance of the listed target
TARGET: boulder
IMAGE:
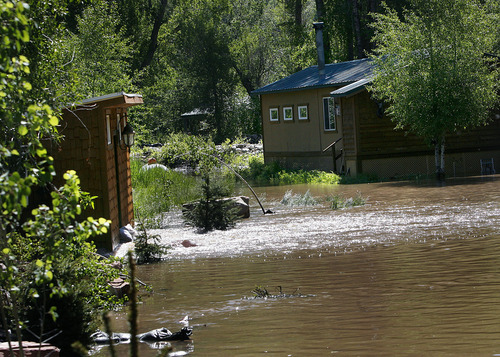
(127, 234)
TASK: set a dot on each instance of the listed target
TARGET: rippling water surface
(416, 271)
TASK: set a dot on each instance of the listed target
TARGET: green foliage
(102, 59)
(212, 211)
(62, 281)
(306, 199)
(431, 70)
(274, 174)
(51, 275)
(303, 176)
(182, 149)
(147, 246)
(339, 202)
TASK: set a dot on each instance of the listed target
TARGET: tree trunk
(439, 159)
(298, 13)
(153, 42)
(357, 28)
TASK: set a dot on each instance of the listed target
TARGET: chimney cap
(318, 25)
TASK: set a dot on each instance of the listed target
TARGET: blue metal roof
(336, 74)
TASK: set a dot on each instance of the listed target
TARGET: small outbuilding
(96, 145)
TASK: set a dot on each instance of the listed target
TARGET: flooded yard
(415, 271)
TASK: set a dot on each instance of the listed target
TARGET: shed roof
(114, 99)
(336, 74)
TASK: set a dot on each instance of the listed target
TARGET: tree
(50, 277)
(431, 69)
(102, 53)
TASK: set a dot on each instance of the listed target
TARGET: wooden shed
(93, 146)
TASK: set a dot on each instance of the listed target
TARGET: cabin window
(273, 114)
(108, 128)
(329, 113)
(288, 113)
(303, 112)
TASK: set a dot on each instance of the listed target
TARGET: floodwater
(414, 272)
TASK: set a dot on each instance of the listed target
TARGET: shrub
(147, 246)
(54, 278)
(211, 211)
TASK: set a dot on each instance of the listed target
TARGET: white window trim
(307, 112)
(334, 114)
(271, 110)
(290, 110)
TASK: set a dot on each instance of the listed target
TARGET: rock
(31, 349)
(186, 243)
(242, 204)
(127, 234)
(154, 166)
(119, 287)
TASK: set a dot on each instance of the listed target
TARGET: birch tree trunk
(439, 158)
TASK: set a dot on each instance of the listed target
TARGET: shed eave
(122, 98)
(351, 89)
(128, 98)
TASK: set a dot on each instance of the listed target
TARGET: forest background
(186, 55)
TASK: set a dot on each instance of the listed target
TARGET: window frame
(288, 110)
(277, 111)
(327, 112)
(299, 107)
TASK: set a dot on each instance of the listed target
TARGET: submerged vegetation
(306, 199)
(339, 202)
(261, 292)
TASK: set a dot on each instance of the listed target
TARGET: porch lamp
(128, 136)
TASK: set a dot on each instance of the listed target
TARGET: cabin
(96, 145)
(324, 118)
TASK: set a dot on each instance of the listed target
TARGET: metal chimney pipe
(318, 27)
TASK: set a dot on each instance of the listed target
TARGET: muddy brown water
(414, 272)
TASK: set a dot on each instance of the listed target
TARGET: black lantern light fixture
(128, 136)
(124, 139)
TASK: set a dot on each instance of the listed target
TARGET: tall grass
(156, 191)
